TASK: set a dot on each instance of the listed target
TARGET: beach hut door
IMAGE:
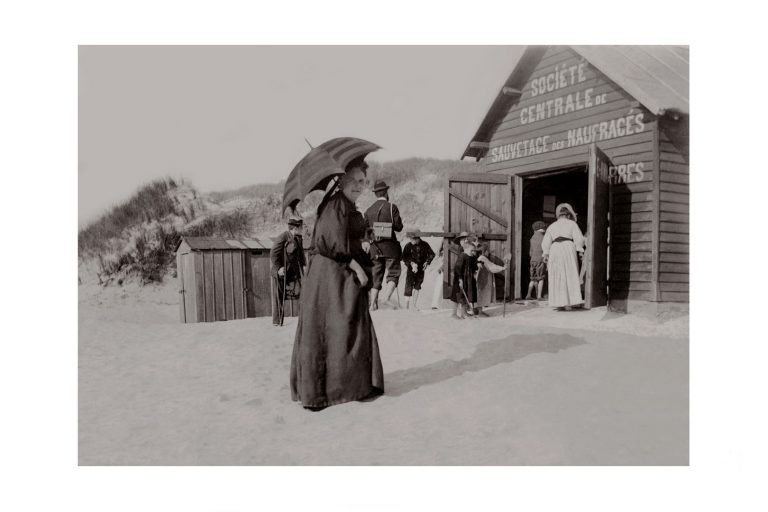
(596, 256)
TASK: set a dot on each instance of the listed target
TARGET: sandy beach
(536, 387)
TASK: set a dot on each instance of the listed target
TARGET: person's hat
(413, 234)
(461, 236)
(565, 207)
(293, 221)
(539, 224)
(380, 185)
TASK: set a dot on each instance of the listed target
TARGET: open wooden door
(596, 259)
(481, 204)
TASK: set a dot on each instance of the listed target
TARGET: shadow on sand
(488, 354)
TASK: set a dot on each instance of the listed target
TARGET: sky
(228, 116)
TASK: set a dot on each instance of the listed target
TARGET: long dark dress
(464, 269)
(335, 353)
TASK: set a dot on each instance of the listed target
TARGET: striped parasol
(320, 165)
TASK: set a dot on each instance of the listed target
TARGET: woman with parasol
(336, 353)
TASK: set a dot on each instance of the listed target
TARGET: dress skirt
(335, 352)
(563, 274)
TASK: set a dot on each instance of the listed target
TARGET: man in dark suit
(385, 250)
(288, 262)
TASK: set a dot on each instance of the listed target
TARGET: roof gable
(656, 76)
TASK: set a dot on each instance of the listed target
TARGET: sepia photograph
(344, 256)
(383, 255)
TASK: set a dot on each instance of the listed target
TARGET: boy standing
(464, 284)
(538, 268)
(417, 255)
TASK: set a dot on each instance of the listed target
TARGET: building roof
(656, 76)
(206, 244)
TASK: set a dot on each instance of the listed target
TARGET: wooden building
(604, 128)
(222, 279)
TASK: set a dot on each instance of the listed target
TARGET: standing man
(384, 217)
(417, 255)
(288, 262)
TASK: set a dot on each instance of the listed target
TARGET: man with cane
(288, 262)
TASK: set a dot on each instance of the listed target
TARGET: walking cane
(506, 291)
(473, 304)
(507, 283)
(282, 304)
(285, 283)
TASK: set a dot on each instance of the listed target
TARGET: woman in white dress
(562, 242)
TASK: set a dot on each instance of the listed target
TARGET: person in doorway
(385, 249)
(464, 284)
(537, 268)
(437, 291)
(336, 352)
(486, 282)
(288, 264)
(562, 242)
(417, 255)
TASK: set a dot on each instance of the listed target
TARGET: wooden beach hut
(604, 128)
(223, 279)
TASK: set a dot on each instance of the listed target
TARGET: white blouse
(565, 228)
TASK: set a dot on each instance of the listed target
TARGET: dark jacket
(287, 251)
(420, 253)
(464, 269)
(380, 211)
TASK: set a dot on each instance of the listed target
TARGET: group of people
(473, 285)
(354, 256)
(383, 222)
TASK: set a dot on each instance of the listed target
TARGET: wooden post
(655, 214)
(518, 234)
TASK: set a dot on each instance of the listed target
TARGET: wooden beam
(511, 91)
(480, 208)
(476, 144)
(447, 267)
(510, 235)
(479, 177)
(655, 213)
(518, 219)
(454, 234)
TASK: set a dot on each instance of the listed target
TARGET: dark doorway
(541, 194)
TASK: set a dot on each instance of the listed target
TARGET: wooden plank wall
(259, 282)
(674, 223)
(185, 271)
(182, 291)
(463, 217)
(632, 216)
(209, 286)
(218, 285)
